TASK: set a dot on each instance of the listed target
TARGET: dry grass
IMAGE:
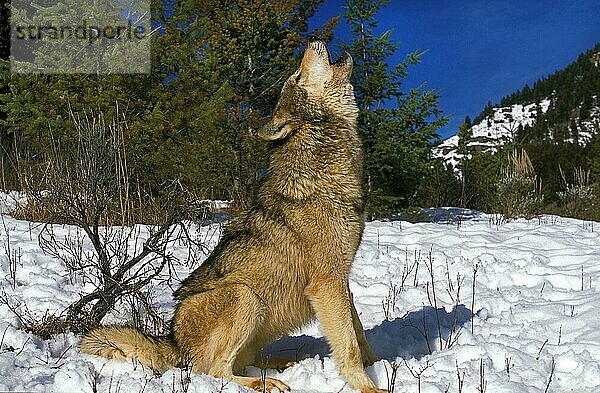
(519, 189)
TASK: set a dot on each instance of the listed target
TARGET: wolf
(286, 259)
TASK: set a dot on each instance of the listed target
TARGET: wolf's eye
(297, 80)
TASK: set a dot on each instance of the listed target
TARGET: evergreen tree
(441, 186)
(39, 107)
(468, 123)
(586, 106)
(593, 156)
(574, 131)
(480, 178)
(487, 111)
(5, 139)
(4, 29)
(216, 74)
(251, 47)
(548, 158)
(398, 127)
(465, 137)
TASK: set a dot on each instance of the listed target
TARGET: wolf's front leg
(368, 357)
(330, 298)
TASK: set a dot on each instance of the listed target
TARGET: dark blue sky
(482, 50)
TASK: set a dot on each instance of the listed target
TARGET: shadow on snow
(449, 215)
(412, 336)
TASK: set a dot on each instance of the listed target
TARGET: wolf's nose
(313, 38)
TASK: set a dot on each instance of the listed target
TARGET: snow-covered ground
(535, 317)
(11, 200)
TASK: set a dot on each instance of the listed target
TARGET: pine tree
(574, 130)
(398, 127)
(593, 156)
(464, 149)
(215, 78)
(244, 50)
(4, 29)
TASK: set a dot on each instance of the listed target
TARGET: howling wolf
(287, 258)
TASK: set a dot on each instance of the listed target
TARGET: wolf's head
(313, 94)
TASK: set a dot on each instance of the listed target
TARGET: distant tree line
(566, 166)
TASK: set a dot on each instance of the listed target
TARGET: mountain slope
(563, 107)
(493, 130)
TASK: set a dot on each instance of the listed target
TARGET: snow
(492, 131)
(500, 127)
(11, 200)
(535, 311)
(216, 204)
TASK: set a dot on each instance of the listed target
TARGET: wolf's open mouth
(322, 51)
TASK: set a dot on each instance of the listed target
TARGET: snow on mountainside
(500, 127)
(596, 59)
(570, 111)
(493, 130)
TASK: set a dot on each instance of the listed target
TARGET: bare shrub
(431, 295)
(552, 369)
(389, 303)
(85, 183)
(519, 190)
(13, 255)
(482, 381)
(391, 379)
(476, 266)
(453, 290)
(417, 372)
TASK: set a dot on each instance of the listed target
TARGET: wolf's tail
(123, 342)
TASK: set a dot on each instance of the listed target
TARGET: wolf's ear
(342, 68)
(315, 69)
